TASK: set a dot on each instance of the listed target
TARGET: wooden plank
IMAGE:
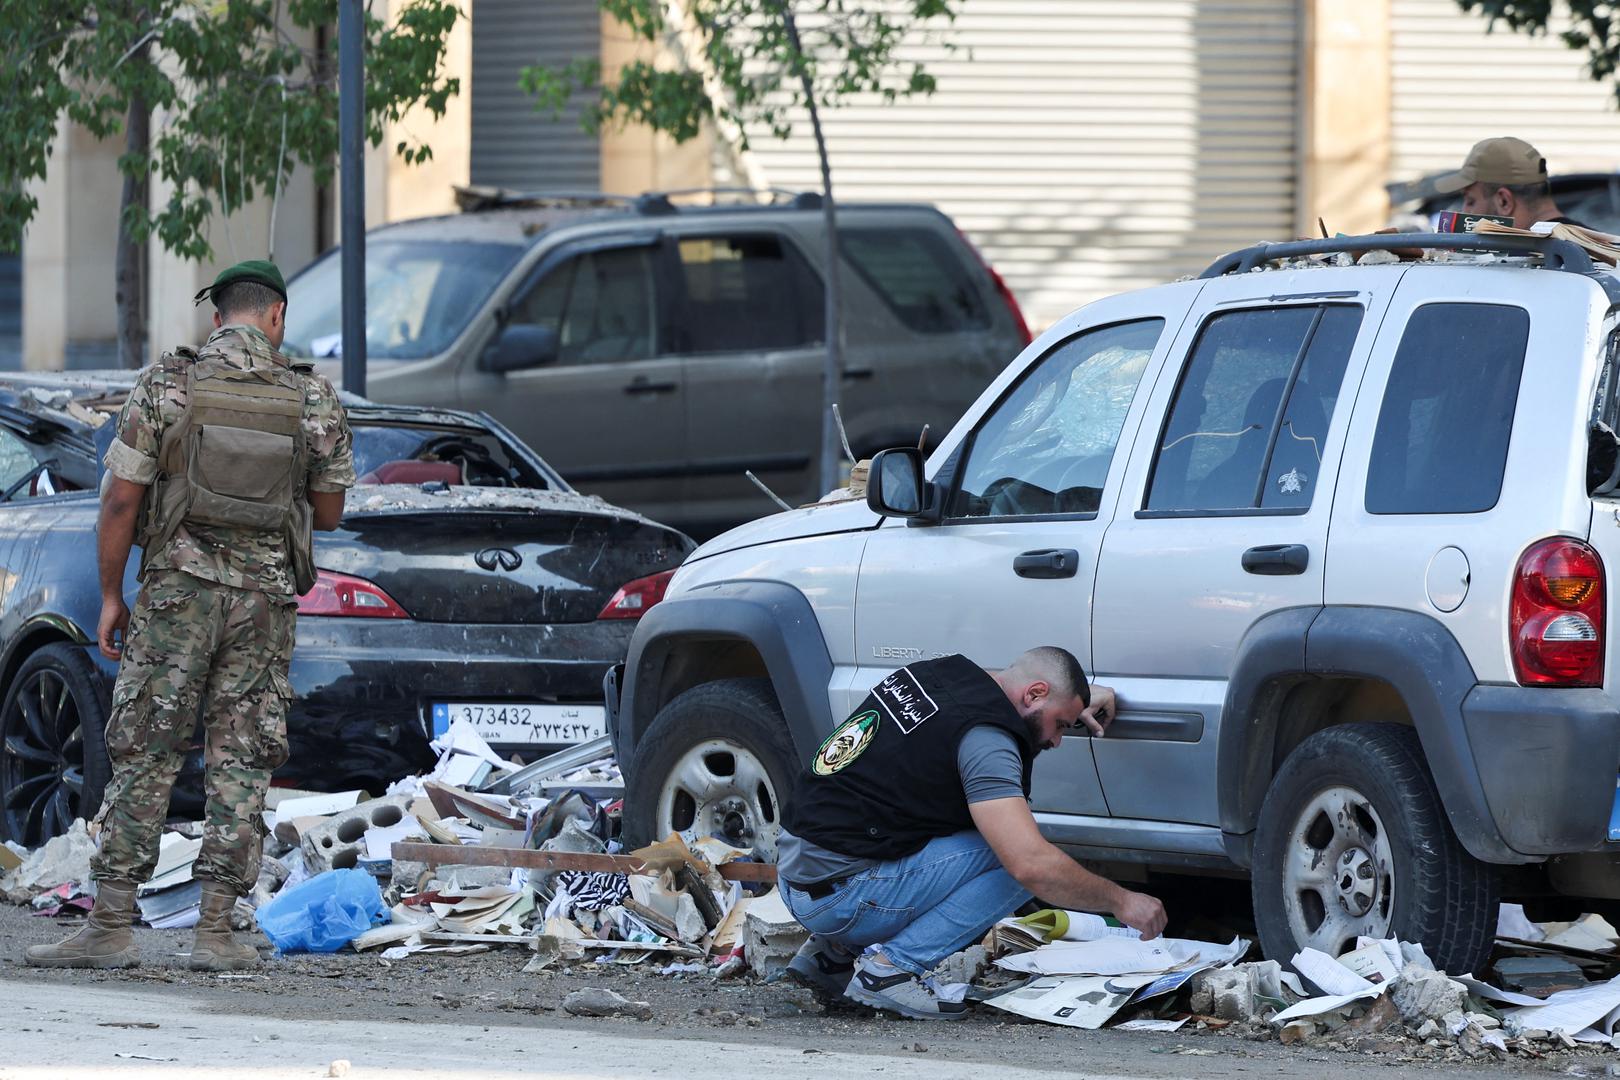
(470, 855)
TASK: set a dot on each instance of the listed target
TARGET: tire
(53, 750)
(1353, 839)
(716, 761)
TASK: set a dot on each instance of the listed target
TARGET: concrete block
(771, 935)
(339, 842)
(1420, 996)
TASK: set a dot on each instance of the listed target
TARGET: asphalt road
(481, 1016)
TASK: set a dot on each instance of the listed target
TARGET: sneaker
(822, 967)
(879, 985)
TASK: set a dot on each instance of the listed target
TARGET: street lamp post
(351, 138)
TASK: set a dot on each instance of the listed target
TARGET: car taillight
(635, 597)
(1556, 625)
(340, 594)
(1006, 294)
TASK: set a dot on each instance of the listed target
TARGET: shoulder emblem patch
(846, 743)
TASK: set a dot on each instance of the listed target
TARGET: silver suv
(653, 352)
(1337, 533)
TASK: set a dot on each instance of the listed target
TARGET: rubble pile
(529, 859)
(1085, 971)
(676, 911)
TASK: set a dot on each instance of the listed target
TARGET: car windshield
(420, 294)
(399, 453)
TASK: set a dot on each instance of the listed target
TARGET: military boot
(214, 949)
(105, 941)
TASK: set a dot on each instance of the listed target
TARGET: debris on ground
(528, 859)
(595, 1001)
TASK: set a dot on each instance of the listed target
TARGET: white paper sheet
(380, 840)
(1316, 1006)
(1492, 993)
(1081, 1002)
(1375, 961)
(1121, 956)
(1572, 1011)
(1152, 1025)
(1330, 976)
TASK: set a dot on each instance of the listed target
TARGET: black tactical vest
(886, 781)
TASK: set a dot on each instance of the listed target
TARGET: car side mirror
(895, 486)
(521, 345)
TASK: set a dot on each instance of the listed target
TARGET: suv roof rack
(659, 202)
(471, 199)
(1559, 254)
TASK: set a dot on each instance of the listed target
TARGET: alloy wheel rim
(41, 759)
(1338, 872)
(721, 789)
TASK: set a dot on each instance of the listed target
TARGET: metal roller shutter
(1086, 148)
(512, 145)
(1453, 84)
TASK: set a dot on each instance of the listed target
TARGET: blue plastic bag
(324, 913)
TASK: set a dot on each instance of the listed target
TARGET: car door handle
(1277, 559)
(857, 373)
(1047, 563)
(647, 386)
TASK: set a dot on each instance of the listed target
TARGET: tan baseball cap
(1504, 162)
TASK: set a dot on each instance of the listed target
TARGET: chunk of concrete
(771, 935)
(1426, 995)
(597, 1001)
(963, 967)
(338, 843)
(62, 860)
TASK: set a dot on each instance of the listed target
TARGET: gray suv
(1338, 534)
(653, 352)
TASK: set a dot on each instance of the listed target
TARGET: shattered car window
(423, 453)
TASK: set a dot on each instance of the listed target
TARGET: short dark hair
(1533, 192)
(245, 298)
(1060, 668)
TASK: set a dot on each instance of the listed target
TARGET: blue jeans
(921, 908)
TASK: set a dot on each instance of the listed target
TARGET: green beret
(260, 271)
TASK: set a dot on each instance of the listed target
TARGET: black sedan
(466, 581)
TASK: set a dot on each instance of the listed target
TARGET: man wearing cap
(910, 834)
(225, 458)
(1506, 177)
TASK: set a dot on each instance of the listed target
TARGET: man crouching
(911, 834)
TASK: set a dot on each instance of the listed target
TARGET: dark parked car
(467, 580)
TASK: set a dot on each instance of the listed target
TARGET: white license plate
(523, 722)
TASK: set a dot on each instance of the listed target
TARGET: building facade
(1085, 146)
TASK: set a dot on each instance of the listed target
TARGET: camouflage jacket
(240, 558)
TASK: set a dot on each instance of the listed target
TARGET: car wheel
(53, 752)
(716, 761)
(1353, 842)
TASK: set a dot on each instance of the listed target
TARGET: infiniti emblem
(505, 558)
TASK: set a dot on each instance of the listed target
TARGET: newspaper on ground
(1123, 956)
(1087, 1001)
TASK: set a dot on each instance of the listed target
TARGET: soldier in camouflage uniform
(213, 623)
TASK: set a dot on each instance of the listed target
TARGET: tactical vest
(237, 458)
(886, 781)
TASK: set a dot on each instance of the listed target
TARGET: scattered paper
(1122, 956)
(1086, 1001)
(1571, 1011)
(1376, 961)
(1152, 1025)
(1316, 1006)
(1330, 976)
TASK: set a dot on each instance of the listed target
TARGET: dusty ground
(488, 992)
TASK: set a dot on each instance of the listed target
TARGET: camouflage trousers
(195, 644)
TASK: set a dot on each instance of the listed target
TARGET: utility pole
(351, 139)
